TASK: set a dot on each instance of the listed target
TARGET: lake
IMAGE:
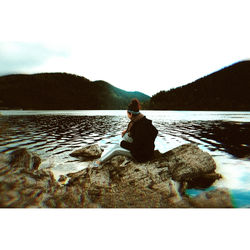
(55, 134)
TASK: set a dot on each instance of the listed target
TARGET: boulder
(22, 184)
(89, 153)
(188, 162)
(119, 183)
(21, 158)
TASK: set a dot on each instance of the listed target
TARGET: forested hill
(227, 89)
(61, 91)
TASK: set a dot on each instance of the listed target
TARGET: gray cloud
(19, 57)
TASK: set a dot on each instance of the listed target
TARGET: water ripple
(57, 134)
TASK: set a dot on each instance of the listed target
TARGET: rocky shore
(120, 183)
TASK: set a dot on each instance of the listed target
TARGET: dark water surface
(55, 134)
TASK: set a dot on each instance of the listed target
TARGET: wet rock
(89, 152)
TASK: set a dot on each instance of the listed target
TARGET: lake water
(55, 134)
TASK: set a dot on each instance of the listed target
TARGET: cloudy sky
(133, 44)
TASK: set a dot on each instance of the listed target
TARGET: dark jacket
(143, 133)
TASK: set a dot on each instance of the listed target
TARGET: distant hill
(227, 89)
(61, 91)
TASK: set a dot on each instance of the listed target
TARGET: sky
(136, 45)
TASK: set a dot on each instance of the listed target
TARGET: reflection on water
(225, 136)
(53, 135)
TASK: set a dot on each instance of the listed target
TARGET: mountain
(61, 91)
(227, 89)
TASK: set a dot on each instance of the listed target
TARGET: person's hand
(124, 132)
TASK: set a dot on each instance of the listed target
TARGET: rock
(124, 183)
(89, 152)
(190, 164)
(21, 158)
(203, 181)
(218, 198)
(119, 183)
(21, 183)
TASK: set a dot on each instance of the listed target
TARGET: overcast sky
(140, 45)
